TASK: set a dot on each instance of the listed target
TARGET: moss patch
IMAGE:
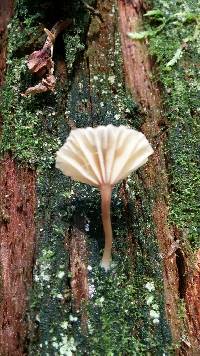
(176, 49)
(126, 305)
(28, 123)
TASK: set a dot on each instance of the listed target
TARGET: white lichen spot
(150, 300)
(102, 104)
(45, 277)
(150, 286)
(117, 117)
(90, 328)
(80, 85)
(55, 345)
(67, 346)
(61, 274)
(73, 318)
(91, 290)
(95, 77)
(111, 79)
(100, 301)
(64, 325)
(39, 112)
(87, 227)
(37, 318)
(154, 314)
(155, 306)
(156, 321)
(89, 268)
(36, 278)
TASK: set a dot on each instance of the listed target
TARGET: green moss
(180, 82)
(28, 123)
(126, 305)
(121, 316)
(50, 298)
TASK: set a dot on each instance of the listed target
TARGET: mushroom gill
(101, 157)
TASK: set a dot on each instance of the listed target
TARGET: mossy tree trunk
(55, 298)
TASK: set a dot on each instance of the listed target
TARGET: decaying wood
(17, 232)
(192, 304)
(137, 66)
(17, 245)
(131, 241)
(76, 245)
(6, 11)
(138, 69)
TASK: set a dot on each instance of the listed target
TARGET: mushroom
(101, 157)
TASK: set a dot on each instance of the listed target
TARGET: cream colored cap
(102, 155)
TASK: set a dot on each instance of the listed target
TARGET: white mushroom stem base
(106, 191)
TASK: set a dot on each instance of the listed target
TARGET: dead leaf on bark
(41, 63)
(47, 84)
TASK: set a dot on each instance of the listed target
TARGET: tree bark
(55, 298)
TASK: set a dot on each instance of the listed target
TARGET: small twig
(93, 11)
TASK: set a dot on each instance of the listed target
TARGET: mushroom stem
(106, 191)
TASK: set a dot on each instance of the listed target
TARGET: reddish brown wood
(138, 74)
(6, 11)
(192, 302)
(17, 232)
(17, 244)
(79, 279)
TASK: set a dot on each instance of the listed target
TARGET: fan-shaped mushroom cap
(103, 155)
